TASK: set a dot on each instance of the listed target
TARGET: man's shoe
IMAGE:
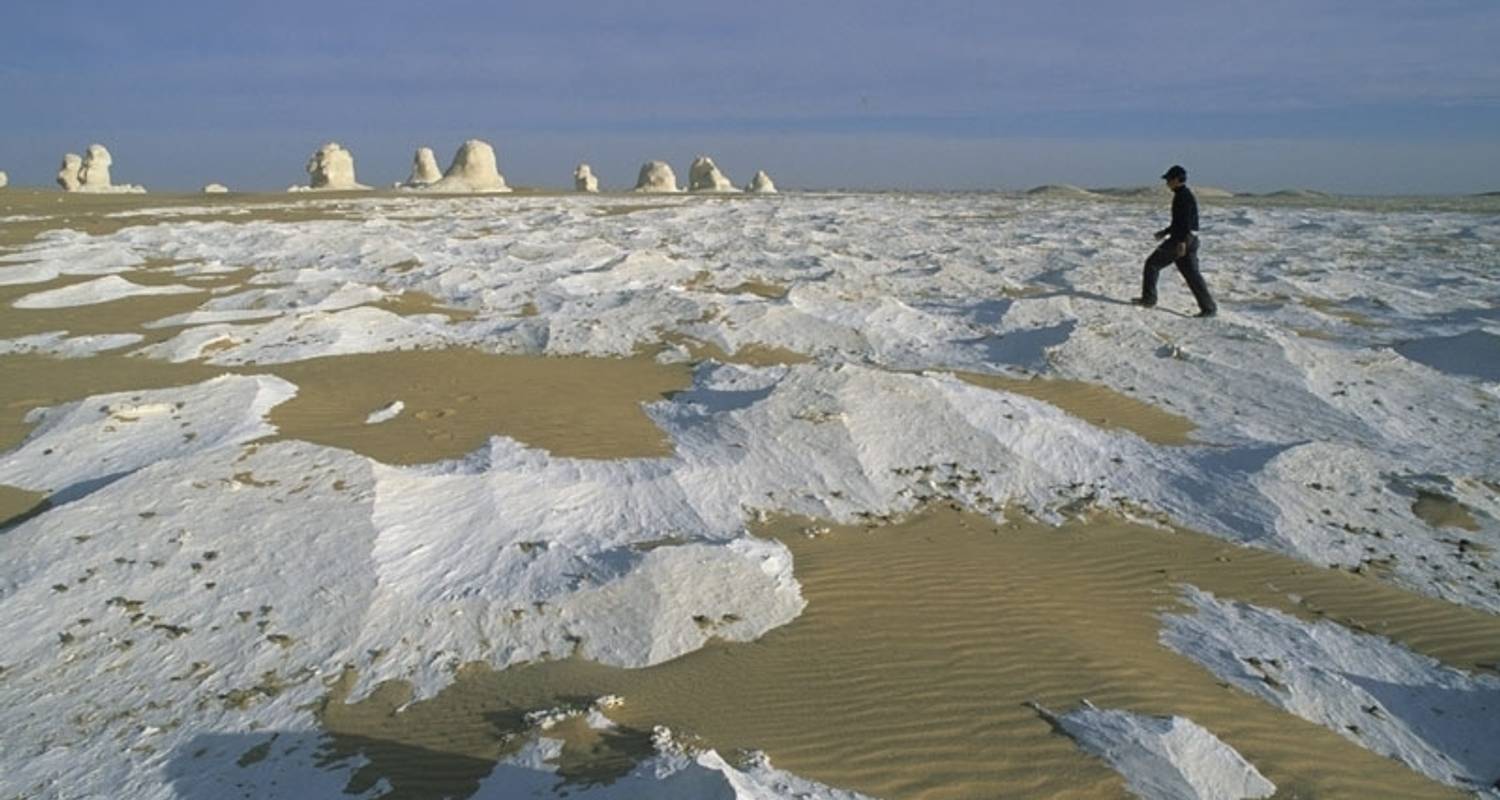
(1142, 302)
(1212, 312)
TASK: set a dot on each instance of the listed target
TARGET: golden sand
(906, 675)
(18, 505)
(750, 355)
(456, 399)
(89, 213)
(410, 303)
(33, 381)
(704, 281)
(1442, 511)
(1097, 404)
(1334, 309)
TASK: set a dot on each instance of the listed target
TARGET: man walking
(1180, 247)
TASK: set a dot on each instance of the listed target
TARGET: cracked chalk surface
(608, 403)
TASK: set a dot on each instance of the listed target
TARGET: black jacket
(1184, 216)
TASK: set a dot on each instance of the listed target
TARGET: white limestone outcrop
(704, 176)
(330, 169)
(215, 188)
(424, 169)
(90, 173)
(761, 184)
(584, 179)
(4, 179)
(656, 176)
(473, 170)
(1059, 190)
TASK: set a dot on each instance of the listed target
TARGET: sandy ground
(907, 674)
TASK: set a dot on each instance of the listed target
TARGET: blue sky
(1368, 96)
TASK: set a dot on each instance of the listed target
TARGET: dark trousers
(1187, 265)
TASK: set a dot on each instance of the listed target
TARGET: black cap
(1176, 171)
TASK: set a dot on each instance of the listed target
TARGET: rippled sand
(906, 675)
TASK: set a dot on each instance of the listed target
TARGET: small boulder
(656, 176)
(215, 188)
(4, 179)
(761, 184)
(584, 180)
(704, 176)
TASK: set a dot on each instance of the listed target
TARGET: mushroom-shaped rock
(704, 176)
(67, 174)
(424, 168)
(584, 179)
(331, 168)
(215, 188)
(761, 183)
(473, 170)
(656, 176)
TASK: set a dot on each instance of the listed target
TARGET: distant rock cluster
(474, 169)
(703, 176)
(90, 173)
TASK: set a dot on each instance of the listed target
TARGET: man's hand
(1160, 235)
(1181, 249)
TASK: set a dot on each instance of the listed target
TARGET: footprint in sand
(439, 413)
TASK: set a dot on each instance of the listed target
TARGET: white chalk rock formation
(90, 173)
(584, 179)
(656, 176)
(1163, 758)
(4, 179)
(761, 184)
(67, 175)
(473, 170)
(331, 169)
(424, 168)
(215, 188)
(704, 176)
(1060, 190)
